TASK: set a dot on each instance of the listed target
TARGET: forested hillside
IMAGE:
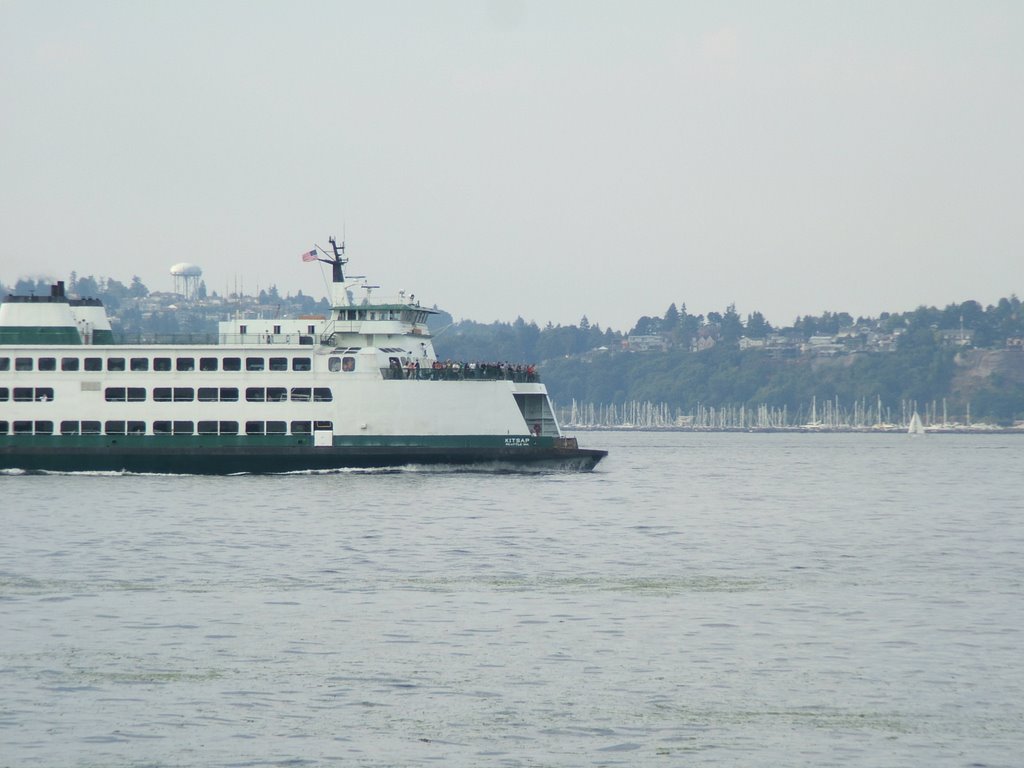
(685, 361)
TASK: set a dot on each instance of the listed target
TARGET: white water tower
(186, 279)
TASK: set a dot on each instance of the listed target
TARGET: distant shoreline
(977, 430)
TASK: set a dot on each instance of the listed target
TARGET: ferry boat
(361, 388)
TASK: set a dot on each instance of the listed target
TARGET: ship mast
(337, 261)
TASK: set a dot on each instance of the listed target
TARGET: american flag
(309, 256)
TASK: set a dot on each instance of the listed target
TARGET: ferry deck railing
(463, 373)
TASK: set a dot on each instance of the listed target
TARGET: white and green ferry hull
(352, 418)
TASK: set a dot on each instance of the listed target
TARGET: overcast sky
(544, 159)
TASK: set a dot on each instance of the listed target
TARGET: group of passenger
(453, 370)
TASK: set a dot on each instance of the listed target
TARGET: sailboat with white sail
(916, 426)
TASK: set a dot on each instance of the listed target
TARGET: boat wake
(86, 473)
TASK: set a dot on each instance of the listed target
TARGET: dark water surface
(701, 600)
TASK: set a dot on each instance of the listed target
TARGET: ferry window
(23, 363)
(5, 365)
(69, 427)
(301, 427)
(114, 394)
(310, 329)
(302, 394)
(229, 427)
(334, 364)
(186, 364)
(254, 427)
(4, 427)
(5, 394)
(276, 394)
(278, 364)
(183, 428)
(23, 427)
(207, 395)
(229, 394)
(44, 394)
(329, 425)
(139, 364)
(23, 394)
(161, 363)
(161, 427)
(255, 394)
(184, 394)
(161, 394)
(115, 363)
(136, 427)
(276, 427)
(207, 363)
(207, 428)
(277, 329)
(348, 364)
(93, 364)
(136, 394)
(302, 364)
(242, 329)
(254, 363)
(114, 427)
(47, 363)
(322, 395)
(44, 427)
(90, 427)
(69, 363)
(232, 364)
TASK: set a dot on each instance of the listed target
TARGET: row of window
(220, 394)
(26, 394)
(183, 394)
(117, 427)
(405, 315)
(158, 364)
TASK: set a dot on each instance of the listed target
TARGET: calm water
(702, 600)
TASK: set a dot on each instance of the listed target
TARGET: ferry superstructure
(361, 388)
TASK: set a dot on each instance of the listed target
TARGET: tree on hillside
(87, 287)
(137, 290)
(646, 326)
(688, 325)
(671, 318)
(731, 324)
(757, 326)
(28, 286)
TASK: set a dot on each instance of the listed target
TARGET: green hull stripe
(266, 455)
(14, 334)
